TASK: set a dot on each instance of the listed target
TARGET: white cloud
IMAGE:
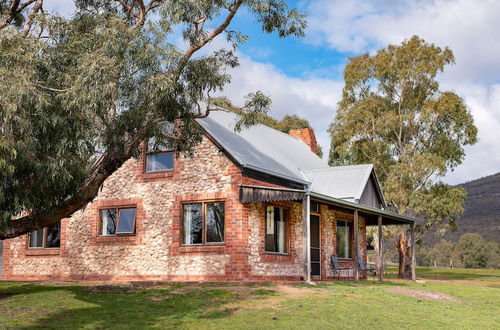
(313, 99)
(483, 158)
(65, 8)
(470, 28)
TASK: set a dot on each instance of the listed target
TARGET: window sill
(202, 248)
(43, 252)
(277, 254)
(158, 174)
(115, 239)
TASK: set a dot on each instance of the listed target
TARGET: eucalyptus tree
(79, 95)
(394, 115)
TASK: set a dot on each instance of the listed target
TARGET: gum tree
(79, 95)
(394, 115)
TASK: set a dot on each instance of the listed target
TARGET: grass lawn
(454, 299)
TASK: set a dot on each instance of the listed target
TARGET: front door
(315, 246)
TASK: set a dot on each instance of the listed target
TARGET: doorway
(315, 245)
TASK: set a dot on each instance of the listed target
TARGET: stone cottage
(254, 205)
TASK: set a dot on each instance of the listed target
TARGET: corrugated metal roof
(345, 182)
(273, 152)
(262, 148)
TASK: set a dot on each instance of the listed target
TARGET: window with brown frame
(203, 223)
(159, 154)
(159, 161)
(344, 229)
(46, 238)
(276, 240)
(117, 221)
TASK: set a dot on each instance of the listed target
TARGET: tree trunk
(107, 165)
(404, 257)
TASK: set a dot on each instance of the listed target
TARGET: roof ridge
(340, 167)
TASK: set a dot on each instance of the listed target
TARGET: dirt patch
(423, 294)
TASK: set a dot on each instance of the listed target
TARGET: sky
(303, 76)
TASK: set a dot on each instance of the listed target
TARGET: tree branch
(15, 9)
(36, 8)
(193, 48)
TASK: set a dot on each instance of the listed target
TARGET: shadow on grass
(83, 307)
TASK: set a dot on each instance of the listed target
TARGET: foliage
(394, 115)
(471, 251)
(78, 96)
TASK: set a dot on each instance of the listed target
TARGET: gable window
(115, 221)
(344, 239)
(159, 161)
(159, 154)
(203, 223)
(46, 238)
(276, 230)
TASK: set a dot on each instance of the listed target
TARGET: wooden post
(304, 233)
(380, 253)
(413, 261)
(356, 244)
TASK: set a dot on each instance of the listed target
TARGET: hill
(481, 211)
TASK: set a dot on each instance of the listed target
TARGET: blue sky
(304, 76)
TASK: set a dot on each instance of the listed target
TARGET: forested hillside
(482, 211)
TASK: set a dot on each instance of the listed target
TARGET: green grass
(345, 305)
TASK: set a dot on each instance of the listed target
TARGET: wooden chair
(337, 268)
(364, 268)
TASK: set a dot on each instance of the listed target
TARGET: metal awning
(249, 194)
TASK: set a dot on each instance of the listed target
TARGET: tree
(393, 114)
(78, 96)
(472, 250)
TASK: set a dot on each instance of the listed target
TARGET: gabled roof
(344, 182)
(269, 151)
(262, 148)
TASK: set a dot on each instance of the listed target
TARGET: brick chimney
(306, 135)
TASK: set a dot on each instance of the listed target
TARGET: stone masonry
(155, 252)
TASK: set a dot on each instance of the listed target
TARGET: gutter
(278, 175)
(361, 207)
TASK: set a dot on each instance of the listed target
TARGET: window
(203, 223)
(314, 207)
(159, 161)
(343, 239)
(276, 230)
(159, 155)
(48, 237)
(115, 221)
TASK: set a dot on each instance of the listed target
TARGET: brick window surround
(119, 239)
(169, 173)
(27, 251)
(218, 248)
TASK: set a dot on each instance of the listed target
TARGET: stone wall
(155, 252)
(149, 253)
